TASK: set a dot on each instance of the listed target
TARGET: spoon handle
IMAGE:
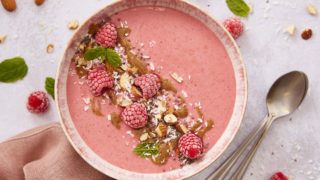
(238, 175)
(221, 172)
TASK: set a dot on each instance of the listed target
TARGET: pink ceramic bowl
(238, 110)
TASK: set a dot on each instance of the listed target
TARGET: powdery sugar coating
(38, 102)
(234, 26)
(98, 81)
(190, 145)
(107, 35)
(149, 84)
(135, 115)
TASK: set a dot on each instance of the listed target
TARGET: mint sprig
(49, 86)
(146, 150)
(105, 54)
(13, 69)
(238, 7)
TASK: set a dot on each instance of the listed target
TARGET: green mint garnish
(105, 54)
(238, 7)
(50, 86)
(146, 150)
(12, 70)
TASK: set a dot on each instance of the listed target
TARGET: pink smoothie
(178, 43)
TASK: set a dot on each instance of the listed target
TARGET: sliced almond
(161, 130)
(291, 29)
(311, 9)
(151, 134)
(176, 77)
(182, 128)
(162, 105)
(2, 38)
(144, 137)
(170, 110)
(124, 67)
(39, 2)
(50, 48)
(74, 24)
(125, 82)
(170, 119)
(182, 112)
(124, 102)
(9, 5)
(136, 92)
(133, 70)
(167, 85)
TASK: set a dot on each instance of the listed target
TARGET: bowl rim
(212, 160)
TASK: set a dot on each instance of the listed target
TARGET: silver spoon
(284, 97)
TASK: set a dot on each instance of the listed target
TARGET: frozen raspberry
(190, 145)
(107, 35)
(38, 102)
(278, 176)
(234, 26)
(135, 115)
(149, 84)
(99, 81)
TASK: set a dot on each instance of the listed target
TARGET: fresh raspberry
(99, 81)
(278, 176)
(149, 84)
(38, 102)
(107, 35)
(135, 115)
(190, 145)
(234, 26)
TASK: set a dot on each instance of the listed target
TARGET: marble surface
(291, 145)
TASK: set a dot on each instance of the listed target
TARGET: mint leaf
(12, 70)
(94, 53)
(146, 149)
(238, 7)
(113, 58)
(50, 86)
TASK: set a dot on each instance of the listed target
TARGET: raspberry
(107, 35)
(190, 145)
(234, 26)
(38, 102)
(99, 81)
(278, 176)
(149, 84)
(135, 115)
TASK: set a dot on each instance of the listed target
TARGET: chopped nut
(81, 71)
(151, 134)
(306, 34)
(2, 38)
(124, 102)
(96, 109)
(167, 85)
(291, 29)
(182, 128)
(182, 112)
(144, 137)
(170, 119)
(176, 77)
(136, 92)
(112, 96)
(162, 156)
(74, 24)
(311, 9)
(133, 70)
(138, 63)
(195, 126)
(124, 67)
(115, 119)
(162, 105)
(50, 48)
(125, 82)
(39, 2)
(170, 110)
(161, 130)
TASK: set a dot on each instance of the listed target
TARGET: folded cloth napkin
(43, 153)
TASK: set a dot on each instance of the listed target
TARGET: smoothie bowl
(151, 90)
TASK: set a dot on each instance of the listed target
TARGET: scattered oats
(2, 38)
(109, 117)
(191, 104)
(86, 100)
(298, 147)
(176, 77)
(130, 133)
(311, 9)
(50, 48)
(152, 43)
(146, 57)
(86, 108)
(80, 82)
(189, 77)
(151, 66)
(74, 24)
(291, 29)
(141, 44)
(15, 36)
(251, 7)
(184, 94)
(74, 82)
(121, 24)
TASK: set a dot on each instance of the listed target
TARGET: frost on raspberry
(107, 35)
(234, 26)
(38, 102)
(190, 145)
(149, 84)
(99, 81)
(135, 115)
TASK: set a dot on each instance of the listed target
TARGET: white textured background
(268, 53)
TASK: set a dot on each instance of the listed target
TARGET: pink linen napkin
(43, 153)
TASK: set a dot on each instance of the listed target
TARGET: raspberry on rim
(38, 102)
(234, 26)
(190, 145)
(278, 176)
(149, 84)
(135, 115)
(99, 81)
(107, 35)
